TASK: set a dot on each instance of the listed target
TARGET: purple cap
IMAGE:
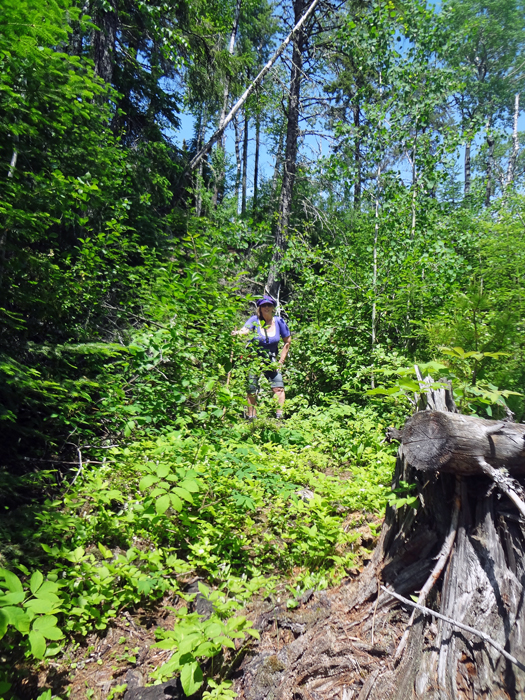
(267, 299)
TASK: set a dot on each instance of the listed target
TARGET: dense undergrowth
(248, 508)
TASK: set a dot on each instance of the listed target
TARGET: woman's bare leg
(252, 403)
(279, 396)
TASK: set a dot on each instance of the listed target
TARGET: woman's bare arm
(241, 331)
(286, 348)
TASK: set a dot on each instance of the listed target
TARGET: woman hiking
(267, 331)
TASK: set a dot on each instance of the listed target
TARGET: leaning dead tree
(459, 554)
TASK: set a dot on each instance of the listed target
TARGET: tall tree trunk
(14, 158)
(238, 162)
(199, 182)
(244, 164)
(515, 143)
(374, 269)
(278, 163)
(75, 38)
(490, 163)
(414, 186)
(104, 41)
(290, 158)
(357, 157)
(467, 167)
(226, 93)
(256, 163)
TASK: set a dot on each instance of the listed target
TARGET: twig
(374, 617)
(460, 625)
(438, 568)
(58, 461)
(79, 470)
(228, 376)
(506, 483)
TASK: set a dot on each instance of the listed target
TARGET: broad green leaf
(166, 644)
(191, 678)
(175, 502)
(12, 598)
(162, 471)
(35, 582)
(41, 605)
(18, 618)
(147, 481)
(38, 644)
(4, 621)
(208, 649)
(382, 391)
(158, 491)
(214, 630)
(4, 687)
(12, 581)
(44, 622)
(203, 589)
(409, 385)
(162, 504)
(47, 589)
(190, 485)
(106, 553)
(76, 555)
(225, 641)
(186, 495)
(52, 633)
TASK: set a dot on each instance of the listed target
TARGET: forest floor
(326, 648)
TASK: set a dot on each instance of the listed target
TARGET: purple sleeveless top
(271, 345)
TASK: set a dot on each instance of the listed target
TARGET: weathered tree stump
(483, 584)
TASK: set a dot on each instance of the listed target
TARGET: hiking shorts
(273, 376)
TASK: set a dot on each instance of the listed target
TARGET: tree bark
(258, 80)
(278, 162)
(219, 179)
(490, 163)
(515, 144)
(256, 161)
(75, 39)
(238, 161)
(357, 157)
(290, 156)
(199, 180)
(244, 164)
(462, 549)
(104, 41)
(467, 167)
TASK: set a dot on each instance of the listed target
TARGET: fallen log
(452, 443)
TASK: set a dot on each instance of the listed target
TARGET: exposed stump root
(463, 551)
